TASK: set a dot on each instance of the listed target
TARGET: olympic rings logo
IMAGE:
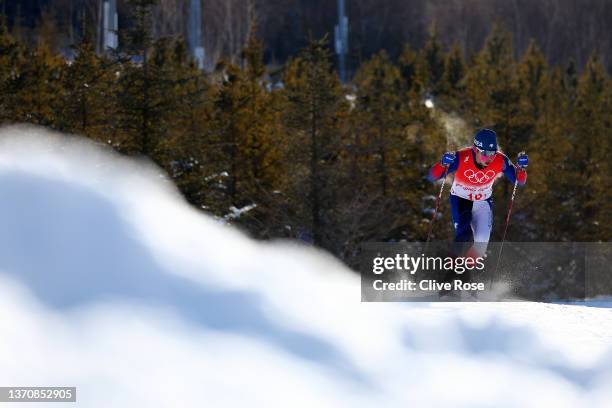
(479, 177)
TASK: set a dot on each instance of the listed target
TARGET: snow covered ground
(111, 283)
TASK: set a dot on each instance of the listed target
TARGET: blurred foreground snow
(111, 283)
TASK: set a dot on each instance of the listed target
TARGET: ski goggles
(487, 153)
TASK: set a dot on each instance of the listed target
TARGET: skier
(471, 200)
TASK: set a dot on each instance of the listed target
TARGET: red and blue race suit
(471, 193)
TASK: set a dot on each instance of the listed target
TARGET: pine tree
(371, 204)
(184, 150)
(452, 87)
(379, 109)
(433, 59)
(548, 201)
(314, 102)
(146, 90)
(262, 144)
(409, 70)
(592, 149)
(566, 195)
(532, 77)
(247, 131)
(87, 106)
(390, 135)
(11, 60)
(259, 146)
(37, 88)
(493, 94)
(229, 127)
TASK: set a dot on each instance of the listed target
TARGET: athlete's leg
(461, 210)
(482, 222)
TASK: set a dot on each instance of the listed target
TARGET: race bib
(474, 185)
(472, 182)
(471, 193)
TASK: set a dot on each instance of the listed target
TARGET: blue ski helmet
(485, 141)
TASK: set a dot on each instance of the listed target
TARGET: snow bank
(110, 282)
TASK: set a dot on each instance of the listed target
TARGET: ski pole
(506, 223)
(435, 213)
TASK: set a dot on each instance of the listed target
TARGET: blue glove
(448, 158)
(523, 160)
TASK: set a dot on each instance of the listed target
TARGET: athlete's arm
(438, 169)
(513, 172)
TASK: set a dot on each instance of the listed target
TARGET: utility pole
(195, 32)
(341, 39)
(109, 25)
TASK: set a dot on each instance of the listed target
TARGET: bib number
(475, 197)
